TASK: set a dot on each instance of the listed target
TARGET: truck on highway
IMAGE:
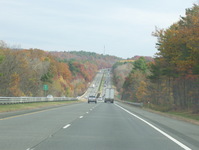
(109, 95)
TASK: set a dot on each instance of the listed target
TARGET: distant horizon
(75, 51)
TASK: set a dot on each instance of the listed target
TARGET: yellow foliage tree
(14, 85)
(141, 91)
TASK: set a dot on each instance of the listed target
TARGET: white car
(100, 99)
(50, 98)
(92, 99)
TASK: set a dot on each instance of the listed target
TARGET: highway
(101, 126)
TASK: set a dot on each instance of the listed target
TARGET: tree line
(171, 81)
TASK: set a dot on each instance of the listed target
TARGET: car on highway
(50, 97)
(92, 99)
(100, 99)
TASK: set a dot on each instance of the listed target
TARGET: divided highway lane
(97, 126)
(27, 130)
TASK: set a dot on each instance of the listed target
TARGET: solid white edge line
(68, 125)
(157, 129)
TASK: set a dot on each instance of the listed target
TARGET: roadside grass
(28, 106)
(185, 114)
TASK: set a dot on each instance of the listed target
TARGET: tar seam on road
(27, 114)
(157, 129)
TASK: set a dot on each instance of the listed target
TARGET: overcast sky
(120, 27)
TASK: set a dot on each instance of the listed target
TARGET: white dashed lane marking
(68, 125)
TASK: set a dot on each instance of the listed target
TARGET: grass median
(28, 106)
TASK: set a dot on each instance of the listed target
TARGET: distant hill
(102, 61)
(136, 57)
(147, 58)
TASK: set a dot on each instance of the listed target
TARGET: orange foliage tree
(177, 61)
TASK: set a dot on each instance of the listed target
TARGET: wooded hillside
(25, 72)
(101, 61)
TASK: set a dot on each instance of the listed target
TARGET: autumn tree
(177, 62)
(141, 91)
(120, 72)
(135, 85)
(140, 64)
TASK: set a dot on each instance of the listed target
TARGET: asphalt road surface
(100, 126)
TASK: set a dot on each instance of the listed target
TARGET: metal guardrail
(16, 100)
